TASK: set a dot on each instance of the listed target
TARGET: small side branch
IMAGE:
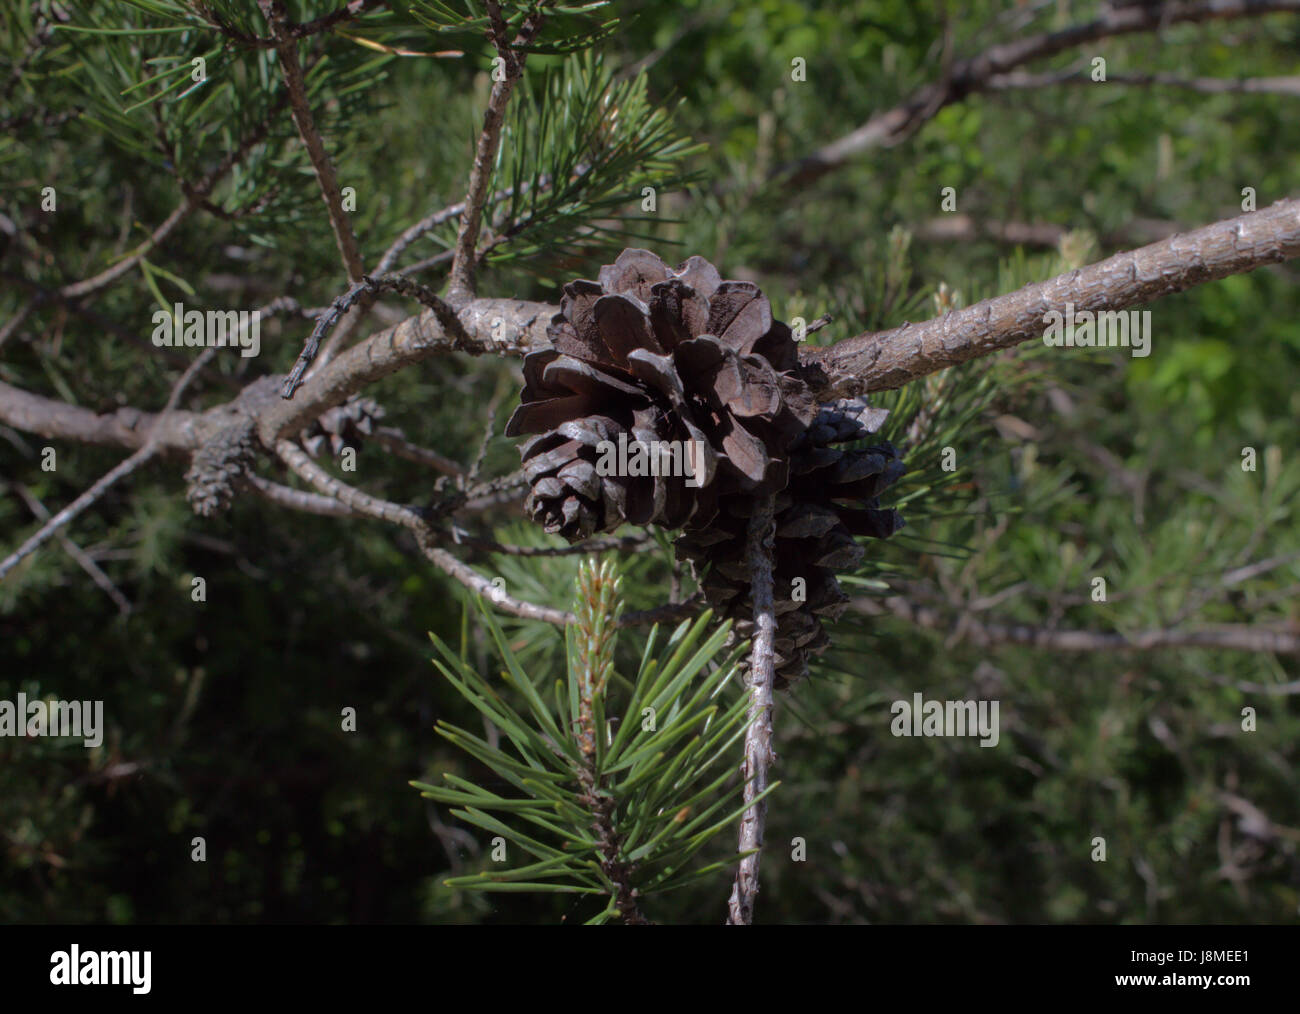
(460, 287)
(364, 289)
(287, 50)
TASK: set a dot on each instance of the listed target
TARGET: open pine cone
(648, 353)
(832, 497)
(342, 426)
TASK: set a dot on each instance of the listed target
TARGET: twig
(460, 287)
(427, 538)
(303, 30)
(299, 499)
(360, 503)
(194, 197)
(758, 734)
(16, 321)
(102, 580)
(359, 291)
(287, 50)
(394, 441)
(488, 432)
(437, 218)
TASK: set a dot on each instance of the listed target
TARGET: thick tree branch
(493, 326)
(889, 359)
(867, 362)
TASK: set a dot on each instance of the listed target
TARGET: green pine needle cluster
(616, 784)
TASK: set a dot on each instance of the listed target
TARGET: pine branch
(889, 359)
(867, 362)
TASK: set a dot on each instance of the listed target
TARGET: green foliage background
(231, 707)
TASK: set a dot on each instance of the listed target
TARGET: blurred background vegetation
(223, 716)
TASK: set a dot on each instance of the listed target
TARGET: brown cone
(656, 354)
(342, 426)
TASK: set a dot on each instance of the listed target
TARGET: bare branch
(299, 499)
(358, 502)
(394, 441)
(415, 520)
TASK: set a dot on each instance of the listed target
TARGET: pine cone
(218, 467)
(832, 496)
(650, 354)
(343, 426)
